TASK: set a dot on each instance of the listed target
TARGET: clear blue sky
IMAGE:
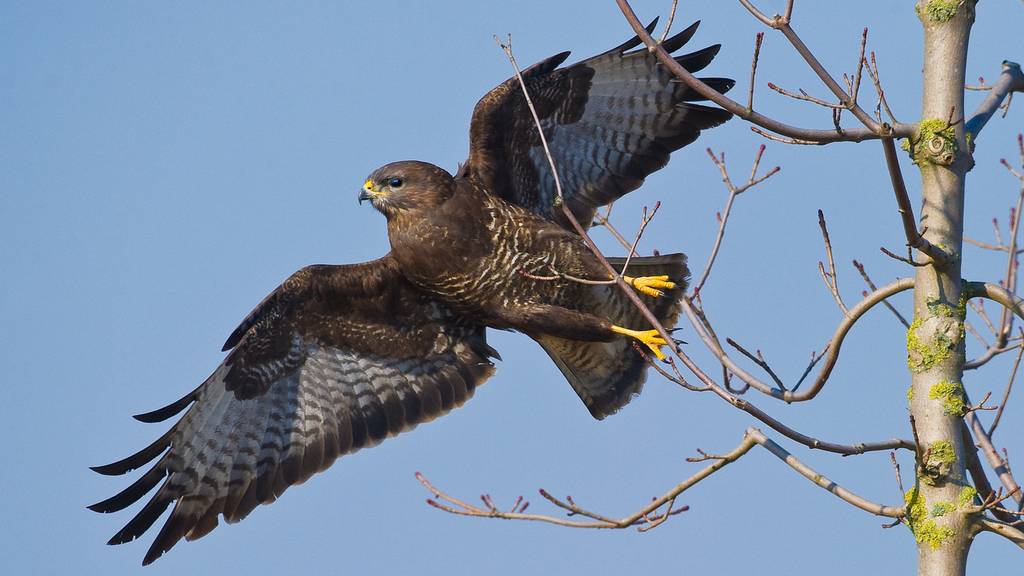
(164, 166)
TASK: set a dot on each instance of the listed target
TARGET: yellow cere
(368, 185)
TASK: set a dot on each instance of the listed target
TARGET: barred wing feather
(338, 358)
(610, 121)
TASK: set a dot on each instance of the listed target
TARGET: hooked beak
(367, 192)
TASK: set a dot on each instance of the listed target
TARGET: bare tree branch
(1003, 529)
(649, 517)
(848, 99)
(800, 134)
(758, 39)
(830, 277)
(914, 238)
(1011, 80)
(605, 221)
(886, 303)
(734, 191)
(832, 356)
(823, 482)
(977, 472)
(1009, 388)
(1009, 279)
(668, 25)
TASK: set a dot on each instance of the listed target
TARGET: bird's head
(406, 186)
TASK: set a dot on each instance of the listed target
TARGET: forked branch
(734, 191)
(832, 355)
(659, 509)
(801, 135)
(1011, 80)
(1008, 531)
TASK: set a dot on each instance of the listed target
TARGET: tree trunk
(935, 342)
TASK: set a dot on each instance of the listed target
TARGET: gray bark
(935, 342)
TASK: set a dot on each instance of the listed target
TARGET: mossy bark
(935, 341)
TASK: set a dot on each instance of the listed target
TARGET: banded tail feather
(606, 375)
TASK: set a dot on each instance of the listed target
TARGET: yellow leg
(650, 285)
(649, 338)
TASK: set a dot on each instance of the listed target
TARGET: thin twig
(785, 139)
(668, 25)
(798, 135)
(977, 472)
(804, 96)
(896, 468)
(1009, 279)
(758, 38)
(835, 344)
(605, 220)
(914, 238)
(882, 101)
(905, 259)
(646, 516)
(867, 280)
(830, 278)
(734, 191)
(829, 485)
(644, 221)
(1009, 388)
(758, 359)
(979, 309)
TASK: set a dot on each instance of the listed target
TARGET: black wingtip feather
(172, 531)
(142, 521)
(723, 85)
(720, 85)
(131, 494)
(628, 44)
(678, 40)
(540, 68)
(137, 460)
(696, 61)
(172, 409)
(235, 337)
(705, 117)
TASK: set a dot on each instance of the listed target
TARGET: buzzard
(338, 358)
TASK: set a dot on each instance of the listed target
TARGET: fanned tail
(607, 375)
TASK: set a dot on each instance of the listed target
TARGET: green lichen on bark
(934, 143)
(951, 394)
(942, 451)
(922, 523)
(941, 509)
(966, 498)
(940, 308)
(938, 462)
(934, 337)
(938, 10)
(922, 355)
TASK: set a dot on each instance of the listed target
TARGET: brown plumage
(338, 358)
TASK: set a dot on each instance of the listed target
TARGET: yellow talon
(650, 285)
(649, 338)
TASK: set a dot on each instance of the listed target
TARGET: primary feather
(338, 358)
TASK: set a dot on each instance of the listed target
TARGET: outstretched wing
(610, 121)
(336, 359)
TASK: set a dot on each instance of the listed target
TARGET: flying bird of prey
(340, 357)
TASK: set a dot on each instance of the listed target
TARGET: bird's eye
(395, 183)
